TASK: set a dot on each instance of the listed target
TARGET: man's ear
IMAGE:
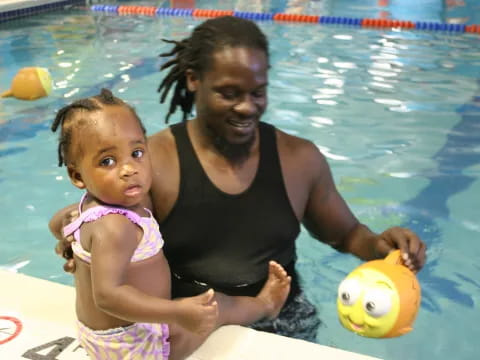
(75, 177)
(192, 80)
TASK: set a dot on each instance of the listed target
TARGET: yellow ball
(30, 83)
(379, 298)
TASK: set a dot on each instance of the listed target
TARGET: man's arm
(328, 218)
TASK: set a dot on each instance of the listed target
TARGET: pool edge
(39, 315)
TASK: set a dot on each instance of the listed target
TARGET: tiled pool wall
(14, 9)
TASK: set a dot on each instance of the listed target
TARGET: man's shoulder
(163, 134)
(162, 139)
(299, 152)
(293, 142)
(163, 151)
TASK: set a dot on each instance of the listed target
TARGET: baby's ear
(75, 177)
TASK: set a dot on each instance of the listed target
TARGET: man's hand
(64, 244)
(413, 249)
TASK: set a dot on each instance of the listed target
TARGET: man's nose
(246, 106)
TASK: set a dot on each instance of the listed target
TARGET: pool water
(397, 114)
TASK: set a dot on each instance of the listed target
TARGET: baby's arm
(64, 217)
(112, 244)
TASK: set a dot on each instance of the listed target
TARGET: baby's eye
(107, 162)
(138, 153)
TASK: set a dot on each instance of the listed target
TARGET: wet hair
(195, 53)
(70, 117)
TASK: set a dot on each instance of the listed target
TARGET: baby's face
(114, 165)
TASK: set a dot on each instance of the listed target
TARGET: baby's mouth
(133, 190)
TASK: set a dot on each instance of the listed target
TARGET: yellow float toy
(30, 83)
(380, 298)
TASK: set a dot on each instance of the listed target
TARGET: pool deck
(37, 321)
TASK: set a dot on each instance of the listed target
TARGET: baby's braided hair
(196, 52)
(67, 118)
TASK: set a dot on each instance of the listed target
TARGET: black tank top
(224, 241)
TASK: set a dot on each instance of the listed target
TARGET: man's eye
(228, 94)
(138, 153)
(107, 162)
(259, 93)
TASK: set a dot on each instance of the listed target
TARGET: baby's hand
(199, 314)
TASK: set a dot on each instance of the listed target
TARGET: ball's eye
(348, 291)
(377, 303)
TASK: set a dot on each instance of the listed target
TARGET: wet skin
(115, 167)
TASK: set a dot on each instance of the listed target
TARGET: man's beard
(234, 153)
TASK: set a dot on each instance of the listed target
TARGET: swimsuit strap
(97, 212)
(90, 215)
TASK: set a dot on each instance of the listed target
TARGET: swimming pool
(397, 114)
